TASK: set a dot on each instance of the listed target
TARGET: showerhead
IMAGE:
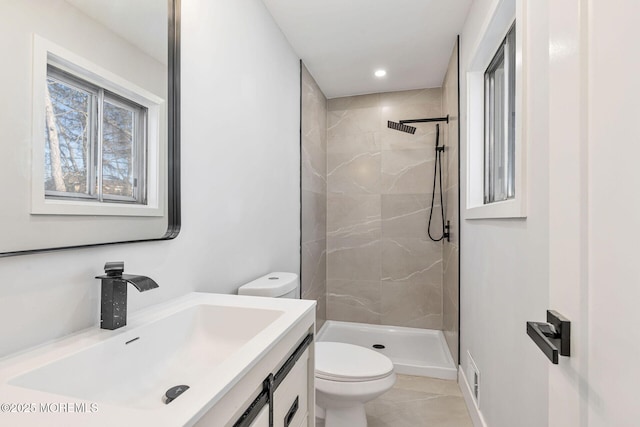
(401, 127)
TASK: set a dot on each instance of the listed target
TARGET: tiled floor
(419, 402)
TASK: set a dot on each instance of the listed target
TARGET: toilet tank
(276, 285)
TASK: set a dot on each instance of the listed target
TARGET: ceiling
(342, 42)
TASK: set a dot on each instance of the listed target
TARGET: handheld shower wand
(438, 167)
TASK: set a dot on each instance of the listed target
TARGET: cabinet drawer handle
(291, 413)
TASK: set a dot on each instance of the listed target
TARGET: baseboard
(474, 412)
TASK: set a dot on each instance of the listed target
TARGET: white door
(594, 140)
(614, 213)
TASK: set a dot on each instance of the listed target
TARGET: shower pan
(413, 351)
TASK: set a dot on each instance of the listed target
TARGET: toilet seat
(343, 362)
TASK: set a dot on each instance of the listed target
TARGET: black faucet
(113, 304)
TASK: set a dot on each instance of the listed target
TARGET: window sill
(513, 208)
(79, 207)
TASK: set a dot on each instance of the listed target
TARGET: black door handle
(291, 413)
(552, 337)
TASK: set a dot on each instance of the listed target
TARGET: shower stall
(379, 227)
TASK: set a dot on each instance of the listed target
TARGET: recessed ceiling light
(380, 73)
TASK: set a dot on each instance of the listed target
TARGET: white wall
(240, 184)
(504, 263)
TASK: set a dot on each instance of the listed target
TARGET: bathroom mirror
(89, 123)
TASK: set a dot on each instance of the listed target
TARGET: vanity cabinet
(263, 418)
(284, 394)
(290, 400)
(281, 386)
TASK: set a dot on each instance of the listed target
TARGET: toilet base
(353, 416)
(342, 403)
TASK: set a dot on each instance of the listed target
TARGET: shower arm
(429, 120)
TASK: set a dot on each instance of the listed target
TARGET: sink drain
(379, 346)
(174, 392)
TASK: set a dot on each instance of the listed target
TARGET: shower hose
(437, 175)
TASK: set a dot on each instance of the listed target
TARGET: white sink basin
(205, 341)
(172, 351)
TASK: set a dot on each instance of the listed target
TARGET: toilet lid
(338, 361)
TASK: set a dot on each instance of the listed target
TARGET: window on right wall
(500, 122)
(494, 149)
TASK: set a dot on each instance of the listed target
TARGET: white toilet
(347, 376)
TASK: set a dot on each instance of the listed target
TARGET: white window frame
(499, 22)
(46, 52)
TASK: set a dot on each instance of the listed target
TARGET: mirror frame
(173, 213)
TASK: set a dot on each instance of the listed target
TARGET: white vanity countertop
(22, 405)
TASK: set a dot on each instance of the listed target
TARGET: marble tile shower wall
(314, 195)
(381, 266)
(451, 252)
